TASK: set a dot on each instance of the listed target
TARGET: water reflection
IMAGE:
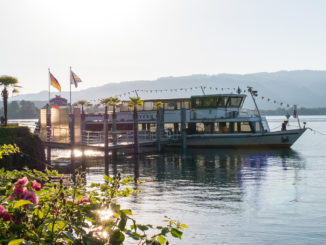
(206, 188)
(231, 173)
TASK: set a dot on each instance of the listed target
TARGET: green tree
(7, 82)
(83, 103)
(28, 110)
(112, 101)
(135, 102)
(13, 109)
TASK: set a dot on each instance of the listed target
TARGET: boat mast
(253, 93)
(202, 89)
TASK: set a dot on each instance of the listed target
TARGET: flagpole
(70, 89)
(49, 86)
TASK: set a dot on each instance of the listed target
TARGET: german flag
(54, 82)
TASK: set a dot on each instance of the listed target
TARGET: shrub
(41, 208)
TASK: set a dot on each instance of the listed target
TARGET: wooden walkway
(100, 147)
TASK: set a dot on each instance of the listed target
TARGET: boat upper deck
(219, 101)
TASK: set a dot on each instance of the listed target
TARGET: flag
(74, 79)
(54, 82)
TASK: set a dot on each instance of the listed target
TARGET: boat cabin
(224, 101)
(205, 114)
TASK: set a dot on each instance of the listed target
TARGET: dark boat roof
(194, 96)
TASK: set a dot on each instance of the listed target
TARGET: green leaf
(38, 212)
(127, 211)
(115, 208)
(176, 233)
(133, 235)
(142, 227)
(51, 226)
(184, 226)
(61, 224)
(161, 239)
(116, 237)
(16, 242)
(165, 231)
(123, 222)
(22, 203)
(69, 235)
(106, 178)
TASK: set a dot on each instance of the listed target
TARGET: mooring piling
(106, 141)
(135, 129)
(183, 129)
(72, 140)
(159, 128)
(48, 134)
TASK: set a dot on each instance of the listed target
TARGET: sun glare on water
(105, 214)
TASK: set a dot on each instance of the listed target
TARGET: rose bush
(43, 208)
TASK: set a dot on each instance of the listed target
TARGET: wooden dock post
(183, 129)
(83, 138)
(106, 141)
(82, 127)
(48, 133)
(135, 128)
(114, 133)
(159, 128)
(72, 140)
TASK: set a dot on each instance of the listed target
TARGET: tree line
(300, 111)
(21, 110)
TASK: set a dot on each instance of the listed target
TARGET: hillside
(303, 87)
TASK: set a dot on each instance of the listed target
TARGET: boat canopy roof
(217, 100)
(196, 102)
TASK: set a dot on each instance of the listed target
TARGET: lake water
(232, 196)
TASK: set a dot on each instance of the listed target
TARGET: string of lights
(203, 88)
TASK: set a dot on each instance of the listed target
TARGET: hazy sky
(111, 41)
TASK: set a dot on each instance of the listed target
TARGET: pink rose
(30, 196)
(55, 211)
(18, 189)
(6, 217)
(22, 182)
(2, 210)
(36, 185)
(85, 199)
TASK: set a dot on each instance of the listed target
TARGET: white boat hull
(280, 139)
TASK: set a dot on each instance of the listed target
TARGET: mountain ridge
(303, 87)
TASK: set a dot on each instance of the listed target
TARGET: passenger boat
(217, 120)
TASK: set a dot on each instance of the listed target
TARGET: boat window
(245, 127)
(169, 105)
(186, 104)
(209, 102)
(168, 127)
(257, 127)
(209, 128)
(224, 127)
(124, 106)
(148, 105)
(235, 101)
(200, 128)
(178, 105)
(222, 100)
(139, 107)
(196, 103)
(216, 127)
(110, 108)
(204, 102)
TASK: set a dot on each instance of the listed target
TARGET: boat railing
(122, 137)
(55, 134)
(247, 113)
